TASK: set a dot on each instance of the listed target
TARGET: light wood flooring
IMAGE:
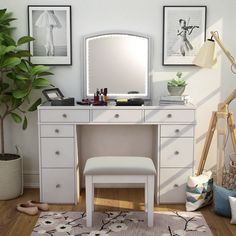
(13, 223)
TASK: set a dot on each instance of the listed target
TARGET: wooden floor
(13, 223)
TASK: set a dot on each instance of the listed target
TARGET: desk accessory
(56, 98)
(222, 118)
(130, 102)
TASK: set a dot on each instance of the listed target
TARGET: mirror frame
(85, 93)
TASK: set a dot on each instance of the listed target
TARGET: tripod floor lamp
(222, 119)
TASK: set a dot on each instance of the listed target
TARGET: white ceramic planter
(11, 183)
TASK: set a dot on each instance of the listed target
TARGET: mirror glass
(119, 62)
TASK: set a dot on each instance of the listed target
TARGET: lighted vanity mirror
(119, 62)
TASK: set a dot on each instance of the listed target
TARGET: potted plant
(177, 85)
(18, 78)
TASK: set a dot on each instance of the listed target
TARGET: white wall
(207, 87)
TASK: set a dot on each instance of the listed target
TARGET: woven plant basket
(229, 176)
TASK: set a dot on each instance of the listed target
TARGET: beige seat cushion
(119, 165)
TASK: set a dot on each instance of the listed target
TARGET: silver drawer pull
(57, 152)
(117, 115)
(177, 131)
(169, 115)
(176, 185)
(58, 186)
(57, 131)
(64, 115)
(176, 152)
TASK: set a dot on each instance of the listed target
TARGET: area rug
(121, 223)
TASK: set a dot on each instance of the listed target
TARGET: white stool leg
(145, 200)
(89, 199)
(150, 199)
(93, 200)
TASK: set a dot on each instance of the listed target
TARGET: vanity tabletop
(112, 107)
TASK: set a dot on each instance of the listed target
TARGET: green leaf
(35, 105)
(11, 75)
(23, 66)
(9, 40)
(16, 117)
(19, 93)
(24, 39)
(21, 77)
(45, 73)
(25, 123)
(2, 12)
(11, 62)
(23, 53)
(36, 70)
(40, 83)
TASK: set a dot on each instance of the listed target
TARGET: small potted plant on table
(18, 78)
(177, 85)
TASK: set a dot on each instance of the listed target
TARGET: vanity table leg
(89, 199)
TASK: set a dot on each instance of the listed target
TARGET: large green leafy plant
(18, 77)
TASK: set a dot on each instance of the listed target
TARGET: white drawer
(117, 116)
(181, 116)
(58, 186)
(176, 152)
(57, 130)
(173, 184)
(177, 130)
(81, 116)
(57, 152)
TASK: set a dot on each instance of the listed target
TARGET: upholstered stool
(119, 170)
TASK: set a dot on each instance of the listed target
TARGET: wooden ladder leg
(232, 130)
(222, 118)
(208, 140)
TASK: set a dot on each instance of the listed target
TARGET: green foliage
(18, 77)
(178, 81)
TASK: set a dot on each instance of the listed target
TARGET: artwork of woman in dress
(49, 21)
(183, 33)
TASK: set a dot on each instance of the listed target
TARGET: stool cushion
(119, 165)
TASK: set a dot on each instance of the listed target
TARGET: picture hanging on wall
(50, 26)
(184, 32)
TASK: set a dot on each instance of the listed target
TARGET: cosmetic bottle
(105, 95)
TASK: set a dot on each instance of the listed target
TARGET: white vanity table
(59, 146)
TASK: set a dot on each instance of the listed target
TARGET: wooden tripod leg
(232, 130)
(210, 133)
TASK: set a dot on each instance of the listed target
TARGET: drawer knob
(57, 152)
(58, 186)
(177, 131)
(169, 115)
(64, 115)
(176, 185)
(117, 115)
(176, 152)
(57, 131)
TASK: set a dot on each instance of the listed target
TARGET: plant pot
(175, 91)
(11, 184)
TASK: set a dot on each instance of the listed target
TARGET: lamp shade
(206, 55)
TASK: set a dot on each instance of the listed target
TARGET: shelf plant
(177, 85)
(18, 79)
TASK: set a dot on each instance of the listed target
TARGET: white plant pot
(11, 183)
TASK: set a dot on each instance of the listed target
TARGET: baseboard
(31, 179)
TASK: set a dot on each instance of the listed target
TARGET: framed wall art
(184, 32)
(51, 28)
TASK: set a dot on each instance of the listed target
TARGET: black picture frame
(53, 94)
(184, 32)
(53, 42)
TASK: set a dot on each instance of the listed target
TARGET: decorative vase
(11, 182)
(175, 91)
